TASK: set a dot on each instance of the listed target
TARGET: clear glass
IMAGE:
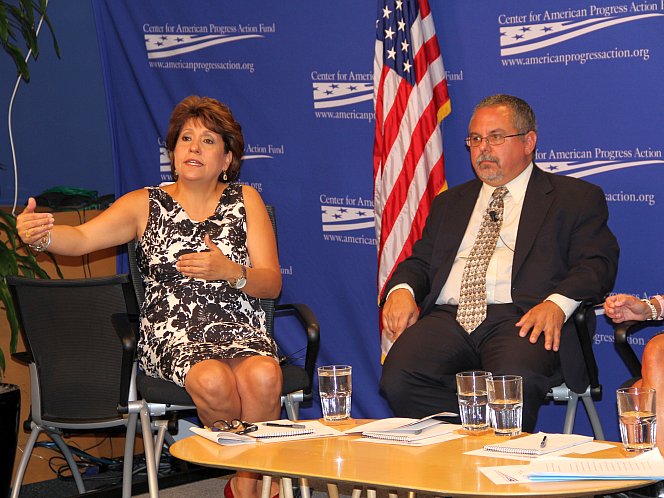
(473, 400)
(638, 423)
(335, 385)
(505, 394)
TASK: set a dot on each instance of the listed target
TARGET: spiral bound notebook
(538, 444)
(269, 433)
(416, 430)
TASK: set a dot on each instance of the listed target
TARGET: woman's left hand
(208, 265)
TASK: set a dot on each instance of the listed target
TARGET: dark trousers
(418, 377)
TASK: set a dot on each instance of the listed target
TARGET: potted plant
(19, 20)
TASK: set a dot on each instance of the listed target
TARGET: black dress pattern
(187, 320)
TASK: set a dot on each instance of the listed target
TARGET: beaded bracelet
(42, 244)
(653, 310)
(660, 300)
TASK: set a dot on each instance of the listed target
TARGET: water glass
(472, 394)
(638, 424)
(505, 394)
(335, 385)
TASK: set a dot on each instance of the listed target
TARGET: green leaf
(8, 262)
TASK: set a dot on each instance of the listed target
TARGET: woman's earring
(225, 176)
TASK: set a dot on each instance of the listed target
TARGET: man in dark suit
(553, 250)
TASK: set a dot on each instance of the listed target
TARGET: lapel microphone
(494, 216)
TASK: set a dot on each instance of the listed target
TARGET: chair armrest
(584, 322)
(310, 324)
(126, 326)
(624, 349)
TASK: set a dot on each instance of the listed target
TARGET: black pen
(543, 442)
(277, 424)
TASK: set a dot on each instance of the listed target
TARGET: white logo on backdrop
(161, 46)
(524, 36)
(343, 95)
(168, 44)
(347, 214)
(337, 94)
(521, 38)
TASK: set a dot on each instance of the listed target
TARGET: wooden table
(440, 469)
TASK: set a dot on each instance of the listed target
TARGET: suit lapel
(536, 205)
(451, 232)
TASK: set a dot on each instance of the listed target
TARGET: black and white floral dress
(187, 320)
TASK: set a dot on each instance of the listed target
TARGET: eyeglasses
(236, 426)
(492, 139)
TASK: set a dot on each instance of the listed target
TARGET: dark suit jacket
(563, 246)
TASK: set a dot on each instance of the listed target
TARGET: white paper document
(648, 466)
(507, 474)
(285, 431)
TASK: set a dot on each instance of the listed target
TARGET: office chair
(582, 315)
(76, 362)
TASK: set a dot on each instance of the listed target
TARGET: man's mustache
(485, 157)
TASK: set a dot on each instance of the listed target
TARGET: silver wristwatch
(241, 281)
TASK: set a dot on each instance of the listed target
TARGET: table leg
(286, 487)
(332, 490)
(304, 488)
(267, 486)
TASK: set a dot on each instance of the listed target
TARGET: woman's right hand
(31, 226)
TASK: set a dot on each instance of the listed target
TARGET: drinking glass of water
(335, 385)
(473, 408)
(505, 393)
(638, 425)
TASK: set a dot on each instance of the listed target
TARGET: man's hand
(399, 312)
(547, 318)
(623, 307)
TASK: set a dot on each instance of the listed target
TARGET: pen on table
(543, 442)
(277, 424)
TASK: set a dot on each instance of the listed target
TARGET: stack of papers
(649, 466)
(417, 432)
(645, 467)
(284, 431)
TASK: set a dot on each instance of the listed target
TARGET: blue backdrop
(298, 77)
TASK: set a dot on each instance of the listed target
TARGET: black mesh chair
(584, 321)
(76, 363)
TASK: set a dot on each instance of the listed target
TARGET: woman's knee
(653, 357)
(210, 380)
(261, 375)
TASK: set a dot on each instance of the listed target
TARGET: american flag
(411, 99)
